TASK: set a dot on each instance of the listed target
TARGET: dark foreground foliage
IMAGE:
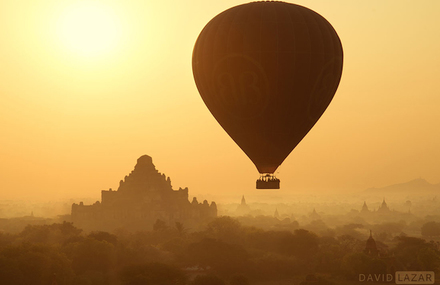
(225, 253)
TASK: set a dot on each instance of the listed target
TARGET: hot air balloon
(267, 72)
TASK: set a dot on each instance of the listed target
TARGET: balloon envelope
(267, 71)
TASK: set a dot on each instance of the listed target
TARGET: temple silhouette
(384, 213)
(143, 197)
(243, 208)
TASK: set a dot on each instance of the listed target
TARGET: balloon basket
(268, 181)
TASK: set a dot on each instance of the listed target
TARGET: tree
(50, 234)
(238, 280)
(430, 229)
(316, 226)
(391, 228)
(6, 239)
(226, 229)
(152, 274)
(359, 263)
(272, 266)
(160, 225)
(264, 240)
(330, 255)
(33, 264)
(313, 280)
(302, 244)
(93, 255)
(104, 236)
(350, 244)
(350, 230)
(180, 229)
(222, 257)
(416, 254)
(207, 280)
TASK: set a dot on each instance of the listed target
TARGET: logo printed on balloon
(241, 86)
(323, 90)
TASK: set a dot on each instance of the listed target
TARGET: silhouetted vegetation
(152, 274)
(417, 254)
(207, 280)
(225, 252)
(431, 229)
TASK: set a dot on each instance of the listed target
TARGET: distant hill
(417, 187)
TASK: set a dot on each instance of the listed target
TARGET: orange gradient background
(74, 119)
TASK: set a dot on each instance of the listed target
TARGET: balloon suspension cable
(268, 181)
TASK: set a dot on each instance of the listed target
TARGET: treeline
(225, 252)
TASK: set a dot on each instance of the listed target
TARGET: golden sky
(77, 110)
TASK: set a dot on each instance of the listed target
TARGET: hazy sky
(77, 110)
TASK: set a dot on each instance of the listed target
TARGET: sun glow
(89, 29)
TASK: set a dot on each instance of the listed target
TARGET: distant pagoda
(364, 209)
(384, 207)
(370, 246)
(143, 197)
(243, 208)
